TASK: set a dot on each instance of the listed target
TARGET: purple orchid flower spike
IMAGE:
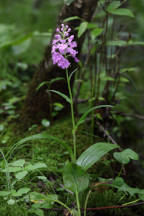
(63, 46)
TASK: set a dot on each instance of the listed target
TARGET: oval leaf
(113, 6)
(82, 28)
(18, 163)
(96, 32)
(125, 156)
(21, 175)
(75, 178)
(123, 12)
(94, 153)
(21, 191)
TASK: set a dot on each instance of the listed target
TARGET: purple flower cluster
(63, 47)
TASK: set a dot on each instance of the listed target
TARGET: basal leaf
(94, 153)
(35, 166)
(21, 175)
(21, 192)
(75, 178)
(18, 163)
(12, 169)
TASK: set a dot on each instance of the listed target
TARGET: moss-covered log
(38, 103)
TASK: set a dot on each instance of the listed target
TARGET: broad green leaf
(71, 18)
(37, 211)
(43, 135)
(35, 196)
(62, 95)
(122, 12)
(35, 166)
(18, 163)
(21, 175)
(113, 6)
(125, 156)
(94, 153)
(96, 32)
(75, 178)
(21, 192)
(82, 28)
(4, 193)
(68, 2)
(12, 169)
(83, 117)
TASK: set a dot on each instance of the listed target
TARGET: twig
(103, 207)
(141, 117)
(106, 133)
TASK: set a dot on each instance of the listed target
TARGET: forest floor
(49, 179)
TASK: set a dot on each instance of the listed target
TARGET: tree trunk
(38, 103)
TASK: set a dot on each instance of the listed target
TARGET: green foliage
(75, 178)
(125, 156)
(94, 153)
(31, 168)
(82, 28)
(113, 8)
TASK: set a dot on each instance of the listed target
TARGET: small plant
(75, 172)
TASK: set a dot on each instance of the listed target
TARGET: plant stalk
(78, 203)
(72, 115)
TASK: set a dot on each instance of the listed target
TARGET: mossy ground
(54, 156)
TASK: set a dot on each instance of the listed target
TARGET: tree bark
(38, 104)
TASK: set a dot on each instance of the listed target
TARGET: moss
(14, 210)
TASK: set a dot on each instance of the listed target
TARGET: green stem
(78, 203)
(130, 203)
(62, 204)
(7, 173)
(72, 115)
(119, 174)
(86, 201)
